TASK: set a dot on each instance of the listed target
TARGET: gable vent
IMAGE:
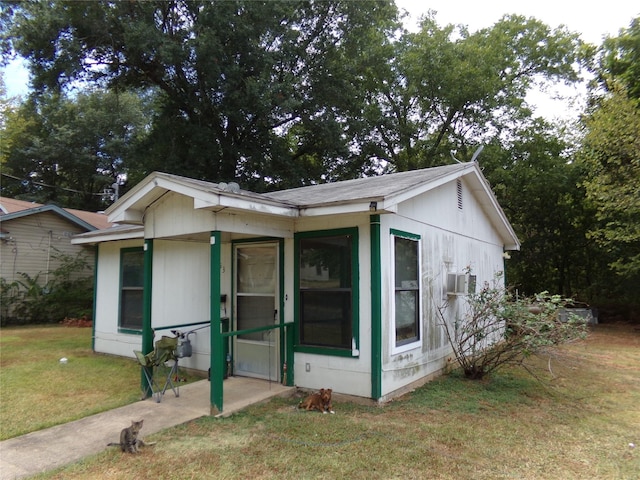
(459, 189)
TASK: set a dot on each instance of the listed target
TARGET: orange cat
(320, 401)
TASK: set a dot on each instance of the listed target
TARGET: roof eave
(109, 235)
(131, 207)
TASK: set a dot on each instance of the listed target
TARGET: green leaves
(77, 146)
(239, 80)
(611, 156)
(498, 330)
(449, 88)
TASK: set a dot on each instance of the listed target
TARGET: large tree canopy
(451, 89)
(619, 59)
(264, 92)
(611, 156)
(610, 153)
(284, 93)
(69, 150)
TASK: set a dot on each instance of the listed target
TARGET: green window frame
(131, 299)
(405, 254)
(327, 292)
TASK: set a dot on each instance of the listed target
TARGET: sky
(592, 22)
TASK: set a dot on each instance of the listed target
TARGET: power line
(41, 184)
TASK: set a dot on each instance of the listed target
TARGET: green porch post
(376, 309)
(217, 361)
(147, 331)
(96, 251)
(285, 331)
(288, 335)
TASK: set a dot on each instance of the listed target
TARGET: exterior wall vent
(459, 190)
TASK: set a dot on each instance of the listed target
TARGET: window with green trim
(406, 264)
(327, 289)
(131, 288)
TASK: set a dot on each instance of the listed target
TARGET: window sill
(129, 331)
(335, 352)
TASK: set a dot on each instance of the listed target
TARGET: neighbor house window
(131, 288)
(327, 290)
(406, 264)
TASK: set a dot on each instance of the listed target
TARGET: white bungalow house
(333, 285)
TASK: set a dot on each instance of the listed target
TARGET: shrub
(67, 293)
(498, 329)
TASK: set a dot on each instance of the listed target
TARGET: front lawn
(580, 424)
(38, 391)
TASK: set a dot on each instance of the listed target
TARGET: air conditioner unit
(461, 284)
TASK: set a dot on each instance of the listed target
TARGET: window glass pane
(325, 275)
(326, 318)
(407, 290)
(254, 312)
(132, 269)
(406, 254)
(325, 262)
(131, 309)
(256, 269)
(406, 316)
(132, 281)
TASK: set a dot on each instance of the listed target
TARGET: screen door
(256, 300)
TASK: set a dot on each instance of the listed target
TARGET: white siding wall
(181, 286)
(174, 215)
(452, 240)
(107, 337)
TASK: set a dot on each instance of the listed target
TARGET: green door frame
(218, 337)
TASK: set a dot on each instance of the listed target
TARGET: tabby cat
(129, 441)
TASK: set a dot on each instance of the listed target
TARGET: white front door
(256, 306)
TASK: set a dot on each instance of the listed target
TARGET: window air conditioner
(460, 284)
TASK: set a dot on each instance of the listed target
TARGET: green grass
(577, 424)
(37, 391)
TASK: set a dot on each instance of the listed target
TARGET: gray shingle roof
(373, 188)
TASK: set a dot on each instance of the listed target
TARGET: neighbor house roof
(11, 208)
(383, 193)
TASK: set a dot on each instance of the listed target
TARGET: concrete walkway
(37, 452)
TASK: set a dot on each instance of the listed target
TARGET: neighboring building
(32, 234)
(334, 285)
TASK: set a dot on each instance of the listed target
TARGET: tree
(610, 158)
(539, 188)
(450, 89)
(618, 58)
(611, 155)
(69, 149)
(267, 93)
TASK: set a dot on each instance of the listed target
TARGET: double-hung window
(406, 284)
(327, 285)
(131, 288)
